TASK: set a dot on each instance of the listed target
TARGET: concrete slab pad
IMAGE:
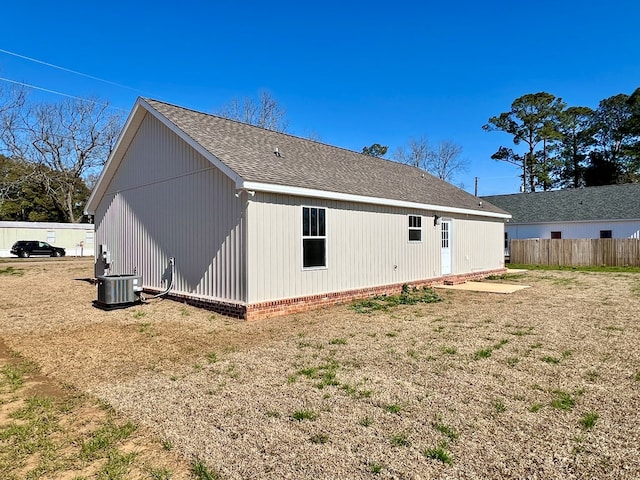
(485, 287)
(516, 270)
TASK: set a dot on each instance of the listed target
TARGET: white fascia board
(347, 197)
(193, 144)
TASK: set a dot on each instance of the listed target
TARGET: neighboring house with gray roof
(262, 223)
(610, 211)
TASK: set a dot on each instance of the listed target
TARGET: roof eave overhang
(348, 197)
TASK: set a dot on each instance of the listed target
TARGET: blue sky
(350, 73)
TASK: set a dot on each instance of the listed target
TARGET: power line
(35, 87)
(75, 72)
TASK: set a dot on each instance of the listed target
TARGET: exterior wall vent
(116, 291)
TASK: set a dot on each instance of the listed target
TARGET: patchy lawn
(543, 383)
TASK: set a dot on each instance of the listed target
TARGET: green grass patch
(365, 421)
(393, 408)
(499, 406)
(449, 350)
(400, 440)
(338, 341)
(522, 331)
(160, 474)
(47, 437)
(551, 360)
(563, 400)
(201, 471)
(439, 453)
(375, 467)
(512, 361)
(506, 276)
(14, 374)
(11, 271)
(409, 296)
(595, 268)
(105, 439)
(535, 407)
(446, 430)
(482, 353)
(324, 374)
(613, 328)
(589, 420)
(300, 415)
(146, 328)
(117, 466)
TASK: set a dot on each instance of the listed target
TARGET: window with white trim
(444, 234)
(314, 237)
(415, 228)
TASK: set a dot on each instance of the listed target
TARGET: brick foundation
(276, 308)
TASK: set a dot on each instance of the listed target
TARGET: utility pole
(476, 187)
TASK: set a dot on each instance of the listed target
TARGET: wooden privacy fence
(617, 252)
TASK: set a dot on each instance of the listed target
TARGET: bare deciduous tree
(445, 161)
(12, 100)
(416, 153)
(73, 139)
(264, 113)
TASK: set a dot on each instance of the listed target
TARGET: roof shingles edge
(250, 152)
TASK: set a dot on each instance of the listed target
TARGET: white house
(609, 211)
(262, 223)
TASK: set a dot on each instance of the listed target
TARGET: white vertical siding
(619, 229)
(367, 246)
(477, 245)
(166, 201)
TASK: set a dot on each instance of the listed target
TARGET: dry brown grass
(503, 384)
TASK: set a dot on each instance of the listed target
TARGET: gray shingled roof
(249, 151)
(609, 202)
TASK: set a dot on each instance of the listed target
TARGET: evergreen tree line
(571, 146)
(25, 192)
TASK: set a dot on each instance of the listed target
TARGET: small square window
(415, 228)
(606, 234)
(556, 235)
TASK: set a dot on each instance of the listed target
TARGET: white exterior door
(445, 247)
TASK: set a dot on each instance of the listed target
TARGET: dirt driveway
(542, 383)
